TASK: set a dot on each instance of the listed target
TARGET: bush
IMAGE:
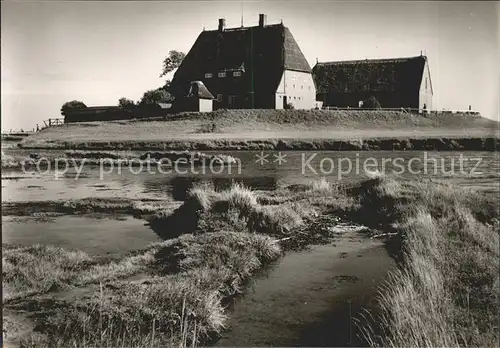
(155, 96)
(74, 104)
(126, 103)
(289, 106)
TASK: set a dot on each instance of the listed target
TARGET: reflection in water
(89, 234)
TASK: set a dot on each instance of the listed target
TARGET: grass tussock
(40, 268)
(221, 259)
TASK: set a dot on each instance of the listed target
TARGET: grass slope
(245, 125)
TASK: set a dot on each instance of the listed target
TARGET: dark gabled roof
(198, 89)
(263, 52)
(394, 74)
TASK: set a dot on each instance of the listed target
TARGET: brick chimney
(222, 24)
(262, 20)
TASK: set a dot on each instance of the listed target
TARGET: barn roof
(266, 50)
(393, 74)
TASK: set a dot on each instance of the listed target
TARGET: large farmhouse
(248, 67)
(395, 83)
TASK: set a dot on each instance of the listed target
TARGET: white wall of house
(299, 89)
(425, 93)
(205, 105)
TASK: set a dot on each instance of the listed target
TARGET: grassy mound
(342, 118)
(178, 301)
(179, 132)
(110, 206)
(237, 208)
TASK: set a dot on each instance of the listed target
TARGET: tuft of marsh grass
(237, 208)
(39, 268)
(446, 291)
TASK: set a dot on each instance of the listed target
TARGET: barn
(395, 83)
(248, 67)
(110, 113)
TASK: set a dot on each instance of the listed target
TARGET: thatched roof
(382, 75)
(260, 52)
(198, 89)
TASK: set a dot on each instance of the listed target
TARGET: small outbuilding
(197, 98)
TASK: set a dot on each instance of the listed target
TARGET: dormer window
(222, 74)
(237, 73)
(208, 75)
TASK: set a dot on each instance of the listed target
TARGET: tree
(126, 103)
(172, 61)
(155, 96)
(74, 104)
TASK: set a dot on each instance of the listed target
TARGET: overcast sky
(97, 52)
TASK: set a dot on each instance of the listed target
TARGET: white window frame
(236, 73)
(222, 74)
(208, 75)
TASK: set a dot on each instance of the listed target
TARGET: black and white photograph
(268, 173)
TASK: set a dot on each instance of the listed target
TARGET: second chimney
(222, 24)
(262, 20)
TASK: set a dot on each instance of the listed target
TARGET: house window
(301, 86)
(237, 73)
(231, 100)
(426, 83)
(208, 75)
(219, 97)
(309, 87)
(222, 74)
(293, 86)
